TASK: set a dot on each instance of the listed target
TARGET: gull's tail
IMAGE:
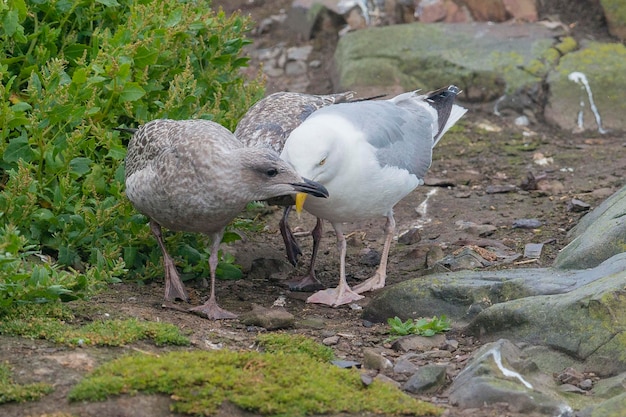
(448, 113)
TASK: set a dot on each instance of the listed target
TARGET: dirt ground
(467, 173)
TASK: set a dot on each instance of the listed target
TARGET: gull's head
(266, 175)
(314, 149)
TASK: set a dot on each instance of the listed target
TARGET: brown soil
(586, 166)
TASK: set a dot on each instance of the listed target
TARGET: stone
(587, 323)
(523, 10)
(404, 366)
(461, 295)
(410, 237)
(615, 13)
(373, 359)
(610, 387)
(330, 341)
(599, 235)
(416, 343)
(476, 229)
(499, 373)
(579, 79)
(369, 257)
(613, 407)
(305, 15)
(295, 68)
(439, 54)
(268, 318)
(487, 10)
(299, 53)
(430, 11)
(427, 379)
(527, 224)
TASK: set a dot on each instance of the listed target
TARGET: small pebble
(330, 341)
(527, 224)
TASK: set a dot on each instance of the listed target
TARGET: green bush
(71, 71)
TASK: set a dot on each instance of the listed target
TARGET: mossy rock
(485, 60)
(604, 67)
(615, 13)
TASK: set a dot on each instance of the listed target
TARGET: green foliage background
(71, 71)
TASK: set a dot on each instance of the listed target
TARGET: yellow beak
(300, 197)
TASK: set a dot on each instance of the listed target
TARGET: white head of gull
(195, 176)
(369, 155)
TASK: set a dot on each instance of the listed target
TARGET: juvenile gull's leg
(309, 282)
(174, 288)
(210, 309)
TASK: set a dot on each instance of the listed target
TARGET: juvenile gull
(195, 176)
(268, 124)
(369, 155)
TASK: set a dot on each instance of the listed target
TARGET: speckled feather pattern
(195, 176)
(270, 121)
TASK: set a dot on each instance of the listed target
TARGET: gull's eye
(272, 172)
(323, 161)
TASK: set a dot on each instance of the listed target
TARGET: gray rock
(462, 295)
(268, 318)
(498, 373)
(527, 224)
(488, 60)
(410, 236)
(613, 407)
(404, 366)
(568, 91)
(610, 387)
(598, 236)
(587, 323)
(427, 379)
(615, 13)
(415, 343)
(303, 16)
(372, 359)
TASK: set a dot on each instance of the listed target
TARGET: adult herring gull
(195, 176)
(369, 155)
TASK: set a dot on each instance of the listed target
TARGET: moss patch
(53, 322)
(276, 384)
(285, 343)
(12, 392)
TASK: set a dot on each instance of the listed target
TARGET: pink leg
(309, 282)
(174, 288)
(377, 281)
(210, 309)
(342, 294)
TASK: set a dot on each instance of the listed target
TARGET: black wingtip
(442, 101)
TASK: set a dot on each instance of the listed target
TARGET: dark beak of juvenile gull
(310, 187)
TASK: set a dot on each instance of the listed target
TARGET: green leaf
(80, 165)
(145, 57)
(10, 23)
(18, 149)
(174, 18)
(228, 272)
(108, 3)
(131, 92)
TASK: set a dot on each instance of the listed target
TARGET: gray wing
(401, 135)
(270, 121)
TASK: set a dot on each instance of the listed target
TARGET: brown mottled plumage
(195, 176)
(270, 121)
